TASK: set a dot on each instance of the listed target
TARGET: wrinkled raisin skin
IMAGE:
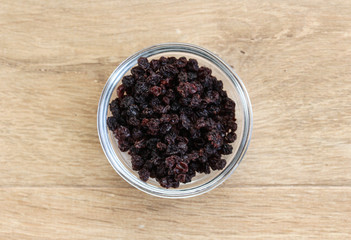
(174, 118)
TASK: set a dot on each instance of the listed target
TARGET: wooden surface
(294, 58)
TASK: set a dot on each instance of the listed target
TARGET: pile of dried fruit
(174, 119)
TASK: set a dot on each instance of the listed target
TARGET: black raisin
(174, 119)
(143, 63)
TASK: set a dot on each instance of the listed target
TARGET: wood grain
(110, 213)
(294, 58)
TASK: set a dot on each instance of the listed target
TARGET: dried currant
(174, 119)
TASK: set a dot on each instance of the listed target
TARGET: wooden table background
(295, 60)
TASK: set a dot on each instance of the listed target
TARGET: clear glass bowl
(201, 183)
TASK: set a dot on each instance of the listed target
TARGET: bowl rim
(107, 147)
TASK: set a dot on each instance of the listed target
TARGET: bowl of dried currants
(174, 120)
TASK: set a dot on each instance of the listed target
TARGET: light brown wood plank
(293, 57)
(115, 213)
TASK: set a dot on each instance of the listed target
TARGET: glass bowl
(201, 183)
